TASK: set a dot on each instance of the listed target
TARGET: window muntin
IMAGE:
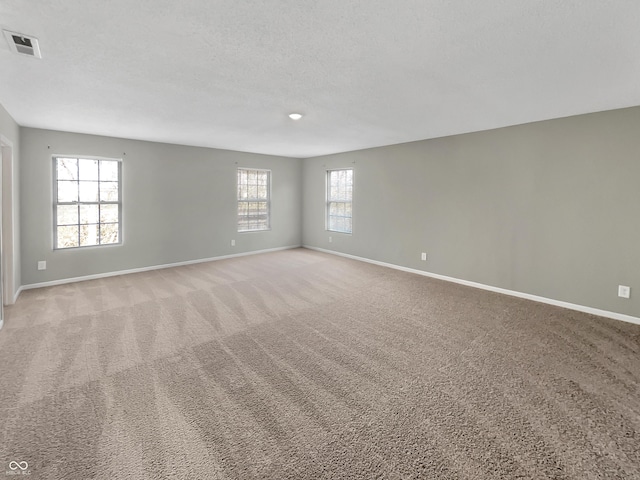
(254, 200)
(87, 202)
(339, 200)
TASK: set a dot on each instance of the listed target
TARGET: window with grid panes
(339, 200)
(254, 203)
(87, 202)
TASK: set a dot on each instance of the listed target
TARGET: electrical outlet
(424, 256)
(330, 239)
(233, 243)
(624, 291)
(42, 265)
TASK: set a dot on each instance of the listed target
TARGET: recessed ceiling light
(295, 116)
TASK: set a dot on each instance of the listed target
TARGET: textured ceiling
(225, 73)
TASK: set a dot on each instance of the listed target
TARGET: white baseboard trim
(63, 281)
(513, 293)
(15, 297)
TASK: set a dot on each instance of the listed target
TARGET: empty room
(320, 239)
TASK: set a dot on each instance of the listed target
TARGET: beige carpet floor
(302, 365)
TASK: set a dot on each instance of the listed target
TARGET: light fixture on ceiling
(295, 116)
(23, 44)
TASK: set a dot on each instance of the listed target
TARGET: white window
(254, 199)
(87, 206)
(339, 200)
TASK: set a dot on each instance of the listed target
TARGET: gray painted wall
(11, 131)
(550, 208)
(179, 204)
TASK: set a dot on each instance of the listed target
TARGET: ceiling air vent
(22, 44)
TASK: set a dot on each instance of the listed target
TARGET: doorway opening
(7, 244)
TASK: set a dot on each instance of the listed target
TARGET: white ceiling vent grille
(23, 44)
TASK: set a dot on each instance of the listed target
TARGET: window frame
(328, 200)
(56, 203)
(239, 201)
